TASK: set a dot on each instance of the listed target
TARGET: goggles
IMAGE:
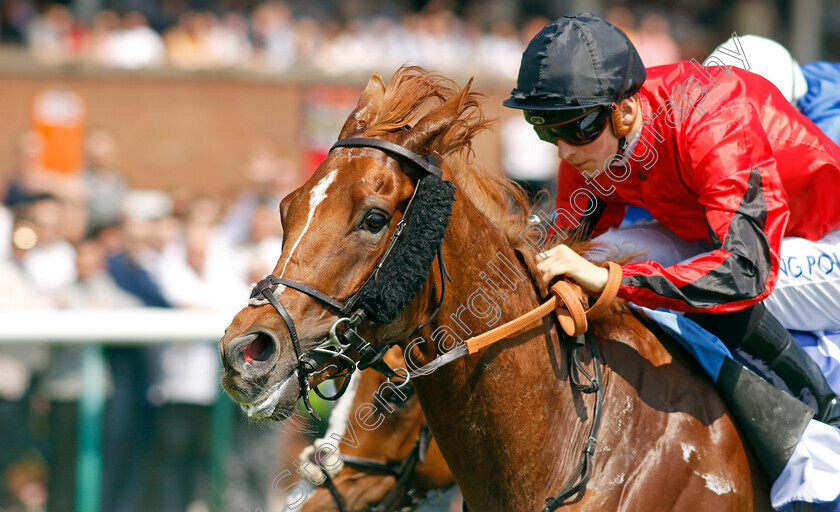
(577, 127)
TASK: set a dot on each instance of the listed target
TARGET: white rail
(112, 326)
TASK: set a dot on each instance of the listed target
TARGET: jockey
(730, 170)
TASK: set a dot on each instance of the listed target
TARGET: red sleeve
(567, 216)
(727, 159)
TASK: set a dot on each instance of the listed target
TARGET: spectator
(103, 38)
(14, 17)
(654, 43)
(620, 16)
(136, 45)
(21, 186)
(6, 224)
(130, 417)
(55, 37)
(105, 184)
(185, 41)
(274, 36)
(94, 289)
(29, 181)
(18, 365)
(266, 243)
(196, 271)
(500, 51)
(132, 268)
(50, 263)
(228, 42)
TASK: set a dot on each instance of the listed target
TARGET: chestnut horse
(388, 468)
(507, 420)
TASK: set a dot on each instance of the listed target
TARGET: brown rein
(573, 318)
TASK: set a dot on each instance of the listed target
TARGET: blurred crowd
(89, 240)
(270, 37)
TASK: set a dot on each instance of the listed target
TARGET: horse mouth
(278, 403)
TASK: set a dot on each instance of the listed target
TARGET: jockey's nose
(564, 149)
(252, 355)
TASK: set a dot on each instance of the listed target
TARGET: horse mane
(414, 91)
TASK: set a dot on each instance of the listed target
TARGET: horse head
(338, 229)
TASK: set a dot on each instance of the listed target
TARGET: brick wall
(186, 129)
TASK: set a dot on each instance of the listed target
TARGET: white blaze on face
(316, 197)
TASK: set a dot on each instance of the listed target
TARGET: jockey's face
(590, 159)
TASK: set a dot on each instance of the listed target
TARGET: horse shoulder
(667, 441)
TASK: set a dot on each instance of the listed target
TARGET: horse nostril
(251, 353)
(260, 349)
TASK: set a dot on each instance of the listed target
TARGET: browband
(391, 149)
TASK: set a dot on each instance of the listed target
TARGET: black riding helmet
(575, 62)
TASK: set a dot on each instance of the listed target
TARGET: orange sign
(58, 116)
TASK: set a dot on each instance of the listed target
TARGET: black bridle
(402, 471)
(349, 311)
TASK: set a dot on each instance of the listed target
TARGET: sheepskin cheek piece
(404, 273)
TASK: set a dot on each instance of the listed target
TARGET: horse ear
(366, 110)
(422, 137)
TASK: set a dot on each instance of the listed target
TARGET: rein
(573, 318)
(403, 472)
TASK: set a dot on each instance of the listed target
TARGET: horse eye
(374, 222)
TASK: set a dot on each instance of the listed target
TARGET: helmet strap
(619, 129)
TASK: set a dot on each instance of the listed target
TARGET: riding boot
(760, 342)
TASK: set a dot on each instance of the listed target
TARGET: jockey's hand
(562, 261)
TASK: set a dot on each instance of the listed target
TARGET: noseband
(365, 302)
